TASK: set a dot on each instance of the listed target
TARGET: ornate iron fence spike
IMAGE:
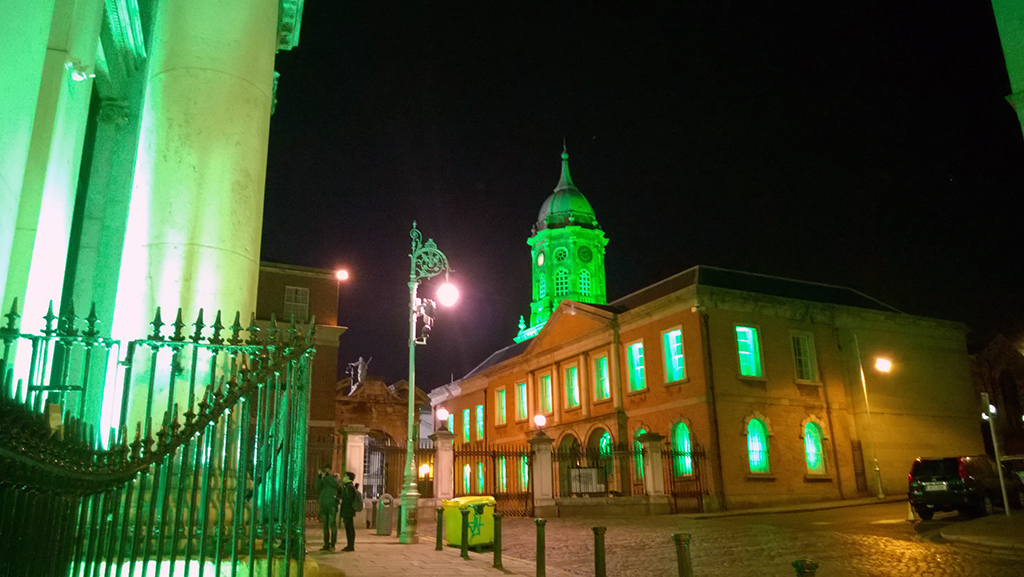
(158, 325)
(178, 325)
(49, 318)
(292, 332)
(136, 445)
(272, 330)
(217, 327)
(236, 330)
(67, 321)
(13, 316)
(311, 329)
(92, 323)
(254, 332)
(198, 335)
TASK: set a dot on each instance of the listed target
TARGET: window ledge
(603, 401)
(760, 476)
(572, 409)
(637, 392)
(823, 478)
(808, 383)
(752, 379)
(681, 381)
(500, 425)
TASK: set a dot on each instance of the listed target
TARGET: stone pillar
(654, 479)
(194, 224)
(354, 445)
(543, 489)
(444, 465)
(192, 237)
(24, 30)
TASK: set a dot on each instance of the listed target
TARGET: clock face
(584, 254)
(540, 259)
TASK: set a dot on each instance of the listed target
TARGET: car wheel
(925, 514)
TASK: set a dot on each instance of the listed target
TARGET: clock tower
(567, 250)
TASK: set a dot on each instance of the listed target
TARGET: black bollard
(440, 523)
(497, 541)
(465, 532)
(599, 568)
(805, 567)
(683, 554)
(540, 547)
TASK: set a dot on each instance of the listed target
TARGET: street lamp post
(427, 262)
(882, 365)
(990, 415)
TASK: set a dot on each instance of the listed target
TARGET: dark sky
(861, 144)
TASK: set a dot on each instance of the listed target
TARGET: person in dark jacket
(348, 511)
(326, 485)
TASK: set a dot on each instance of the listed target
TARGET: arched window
(638, 454)
(585, 282)
(605, 444)
(682, 460)
(467, 475)
(812, 448)
(562, 282)
(757, 446)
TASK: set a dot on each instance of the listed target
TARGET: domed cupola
(566, 206)
(567, 250)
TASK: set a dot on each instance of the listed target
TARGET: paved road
(874, 540)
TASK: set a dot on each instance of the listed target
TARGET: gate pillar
(353, 457)
(444, 464)
(543, 490)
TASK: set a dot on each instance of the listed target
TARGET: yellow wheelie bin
(481, 520)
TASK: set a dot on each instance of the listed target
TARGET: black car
(969, 485)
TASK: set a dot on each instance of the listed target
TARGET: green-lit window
(545, 394)
(502, 465)
(749, 351)
(602, 386)
(682, 459)
(638, 454)
(585, 282)
(572, 387)
(803, 357)
(451, 422)
(480, 477)
(604, 445)
(467, 479)
(521, 412)
(479, 422)
(812, 448)
(757, 446)
(499, 406)
(561, 282)
(524, 472)
(635, 354)
(465, 425)
(675, 370)
(542, 287)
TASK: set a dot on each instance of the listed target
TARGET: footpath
(383, 556)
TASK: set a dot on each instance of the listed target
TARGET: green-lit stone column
(24, 28)
(1009, 15)
(38, 242)
(195, 218)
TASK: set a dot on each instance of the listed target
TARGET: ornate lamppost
(427, 262)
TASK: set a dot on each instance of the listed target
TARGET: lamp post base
(410, 516)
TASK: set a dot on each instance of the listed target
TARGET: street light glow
(883, 365)
(447, 294)
(341, 274)
(442, 414)
(540, 420)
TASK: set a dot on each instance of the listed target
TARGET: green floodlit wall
(1009, 15)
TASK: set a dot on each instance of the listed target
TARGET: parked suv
(969, 485)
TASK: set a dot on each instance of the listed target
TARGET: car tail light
(961, 468)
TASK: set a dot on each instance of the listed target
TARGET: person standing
(348, 510)
(326, 485)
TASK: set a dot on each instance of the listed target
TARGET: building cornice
(289, 20)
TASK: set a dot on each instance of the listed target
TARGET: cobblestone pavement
(874, 540)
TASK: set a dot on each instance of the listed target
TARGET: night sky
(860, 144)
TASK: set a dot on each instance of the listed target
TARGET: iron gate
(502, 472)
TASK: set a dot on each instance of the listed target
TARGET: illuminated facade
(567, 252)
(133, 145)
(1009, 16)
(755, 379)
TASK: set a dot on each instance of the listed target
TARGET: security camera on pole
(427, 262)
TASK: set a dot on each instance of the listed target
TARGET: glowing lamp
(442, 414)
(424, 470)
(341, 274)
(540, 420)
(883, 365)
(447, 294)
